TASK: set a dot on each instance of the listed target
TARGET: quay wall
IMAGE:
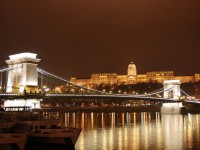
(102, 109)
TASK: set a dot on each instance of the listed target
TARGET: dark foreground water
(135, 131)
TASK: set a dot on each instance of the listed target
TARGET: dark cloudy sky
(80, 37)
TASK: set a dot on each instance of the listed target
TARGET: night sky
(81, 37)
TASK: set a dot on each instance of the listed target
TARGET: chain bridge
(22, 84)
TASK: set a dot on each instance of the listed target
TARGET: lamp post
(45, 89)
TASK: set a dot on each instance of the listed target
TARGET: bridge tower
(172, 91)
(174, 85)
(22, 77)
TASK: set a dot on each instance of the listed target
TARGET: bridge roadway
(120, 97)
(90, 96)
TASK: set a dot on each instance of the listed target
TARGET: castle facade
(133, 78)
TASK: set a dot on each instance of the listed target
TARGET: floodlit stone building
(22, 79)
(24, 75)
(133, 78)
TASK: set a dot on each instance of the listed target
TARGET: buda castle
(133, 78)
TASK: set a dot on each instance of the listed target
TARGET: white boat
(47, 132)
(10, 138)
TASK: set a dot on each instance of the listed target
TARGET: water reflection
(172, 131)
(134, 131)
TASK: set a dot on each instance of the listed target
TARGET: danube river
(135, 131)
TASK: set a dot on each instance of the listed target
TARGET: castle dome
(131, 65)
(131, 69)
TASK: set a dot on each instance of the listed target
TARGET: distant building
(133, 78)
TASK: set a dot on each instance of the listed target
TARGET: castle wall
(133, 78)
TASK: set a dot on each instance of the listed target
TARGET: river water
(135, 131)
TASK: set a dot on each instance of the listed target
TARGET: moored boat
(11, 138)
(47, 132)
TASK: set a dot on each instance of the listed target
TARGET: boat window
(15, 135)
(53, 127)
(67, 131)
(42, 127)
(4, 130)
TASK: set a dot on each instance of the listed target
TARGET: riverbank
(103, 109)
(140, 108)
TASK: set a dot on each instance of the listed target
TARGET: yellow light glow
(32, 103)
(172, 81)
(21, 89)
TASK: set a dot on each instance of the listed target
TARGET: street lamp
(45, 89)
(81, 91)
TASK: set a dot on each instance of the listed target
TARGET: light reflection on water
(135, 131)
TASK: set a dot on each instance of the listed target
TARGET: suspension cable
(186, 94)
(9, 68)
(66, 81)
(150, 94)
